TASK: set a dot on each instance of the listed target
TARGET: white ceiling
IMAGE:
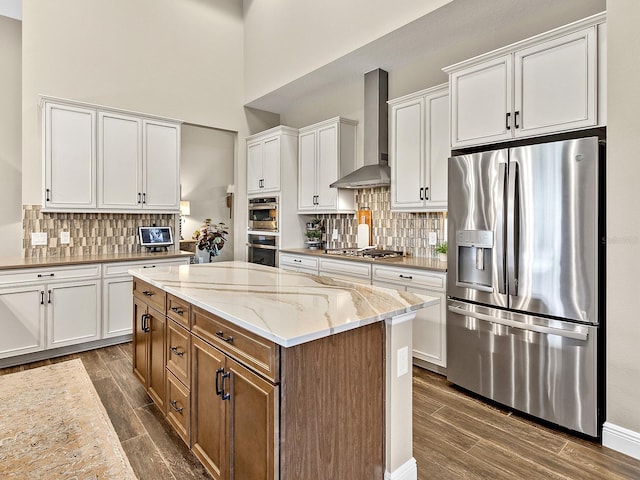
(459, 30)
(11, 8)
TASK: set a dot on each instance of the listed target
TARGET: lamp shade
(185, 207)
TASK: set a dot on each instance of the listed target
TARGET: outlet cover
(403, 361)
(38, 238)
(335, 234)
(65, 238)
(433, 238)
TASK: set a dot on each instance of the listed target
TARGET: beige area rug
(53, 426)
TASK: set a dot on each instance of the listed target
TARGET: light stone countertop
(284, 307)
(12, 263)
(422, 263)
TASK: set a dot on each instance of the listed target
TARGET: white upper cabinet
(326, 152)
(108, 160)
(420, 150)
(69, 157)
(542, 85)
(265, 152)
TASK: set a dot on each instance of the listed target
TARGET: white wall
(206, 169)
(623, 221)
(10, 137)
(286, 39)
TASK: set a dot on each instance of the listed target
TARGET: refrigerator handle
(500, 228)
(513, 228)
(580, 334)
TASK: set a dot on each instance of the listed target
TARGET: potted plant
(211, 237)
(441, 250)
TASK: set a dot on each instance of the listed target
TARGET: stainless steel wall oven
(263, 249)
(263, 214)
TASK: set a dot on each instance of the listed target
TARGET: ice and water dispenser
(475, 259)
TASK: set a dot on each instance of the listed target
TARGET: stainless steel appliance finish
(367, 252)
(263, 249)
(523, 263)
(263, 214)
(376, 171)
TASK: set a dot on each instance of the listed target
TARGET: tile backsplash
(403, 231)
(91, 233)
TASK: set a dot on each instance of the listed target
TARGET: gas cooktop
(370, 252)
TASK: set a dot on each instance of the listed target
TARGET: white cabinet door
(22, 313)
(438, 152)
(327, 168)
(481, 99)
(407, 154)
(254, 167)
(429, 330)
(307, 171)
(119, 161)
(271, 165)
(161, 166)
(73, 313)
(117, 306)
(70, 157)
(555, 85)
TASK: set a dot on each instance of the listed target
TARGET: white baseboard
(621, 439)
(407, 471)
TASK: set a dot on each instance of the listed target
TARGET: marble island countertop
(285, 307)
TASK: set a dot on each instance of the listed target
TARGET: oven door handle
(265, 247)
(263, 206)
(580, 334)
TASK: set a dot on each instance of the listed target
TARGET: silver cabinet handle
(174, 405)
(177, 352)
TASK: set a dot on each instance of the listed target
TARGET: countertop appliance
(525, 292)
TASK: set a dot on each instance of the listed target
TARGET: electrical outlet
(335, 234)
(433, 238)
(38, 238)
(65, 238)
(403, 361)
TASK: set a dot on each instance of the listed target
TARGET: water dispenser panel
(475, 253)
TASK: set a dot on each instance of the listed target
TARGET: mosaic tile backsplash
(402, 231)
(91, 233)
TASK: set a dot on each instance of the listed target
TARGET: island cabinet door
(156, 338)
(140, 350)
(208, 422)
(251, 407)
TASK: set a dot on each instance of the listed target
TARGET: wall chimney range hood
(376, 171)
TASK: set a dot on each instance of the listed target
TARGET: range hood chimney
(376, 171)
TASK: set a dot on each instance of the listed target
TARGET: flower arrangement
(211, 237)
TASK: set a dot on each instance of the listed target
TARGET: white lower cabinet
(429, 326)
(351, 271)
(117, 285)
(298, 263)
(23, 321)
(73, 312)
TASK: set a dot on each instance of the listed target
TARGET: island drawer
(178, 310)
(179, 408)
(179, 352)
(248, 348)
(151, 295)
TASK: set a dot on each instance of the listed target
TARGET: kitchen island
(273, 374)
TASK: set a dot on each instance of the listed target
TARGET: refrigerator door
(552, 229)
(476, 232)
(546, 368)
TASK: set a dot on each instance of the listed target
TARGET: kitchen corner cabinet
(108, 160)
(429, 326)
(267, 153)
(149, 343)
(542, 85)
(420, 150)
(69, 150)
(326, 152)
(49, 308)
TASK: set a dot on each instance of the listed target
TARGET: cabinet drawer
(179, 352)
(178, 310)
(179, 407)
(299, 261)
(345, 269)
(405, 276)
(49, 274)
(151, 295)
(246, 347)
(122, 268)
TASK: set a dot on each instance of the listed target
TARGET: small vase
(442, 257)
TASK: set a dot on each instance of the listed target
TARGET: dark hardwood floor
(455, 434)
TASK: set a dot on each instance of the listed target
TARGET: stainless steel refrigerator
(524, 310)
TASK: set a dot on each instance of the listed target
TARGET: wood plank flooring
(456, 435)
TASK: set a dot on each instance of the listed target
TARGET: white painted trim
(408, 471)
(621, 439)
(398, 319)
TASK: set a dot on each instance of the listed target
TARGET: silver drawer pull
(174, 405)
(220, 334)
(177, 310)
(177, 352)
